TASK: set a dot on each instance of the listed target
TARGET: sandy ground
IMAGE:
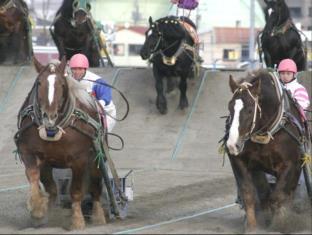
(179, 181)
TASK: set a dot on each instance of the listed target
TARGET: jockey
(287, 70)
(95, 85)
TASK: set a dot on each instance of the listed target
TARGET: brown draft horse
(264, 135)
(73, 31)
(58, 125)
(15, 32)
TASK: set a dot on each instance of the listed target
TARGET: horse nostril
(54, 116)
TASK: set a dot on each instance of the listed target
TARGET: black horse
(171, 48)
(280, 39)
(75, 31)
(15, 32)
(265, 134)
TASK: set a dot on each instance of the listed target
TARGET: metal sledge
(116, 208)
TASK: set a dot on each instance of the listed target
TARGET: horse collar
(281, 29)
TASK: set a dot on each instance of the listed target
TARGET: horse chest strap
(261, 139)
(50, 135)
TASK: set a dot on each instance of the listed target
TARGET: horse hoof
(78, 226)
(183, 105)
(35, 222)
(163, 111)
(162, 108)
(98, 220)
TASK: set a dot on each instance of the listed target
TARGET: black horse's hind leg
(161, 102)
(16, 47)
(183, 98)
(171, 84)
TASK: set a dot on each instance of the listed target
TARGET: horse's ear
(62, 66)
(88, 6)
(150, 20)
(233, 84)
(37, 64)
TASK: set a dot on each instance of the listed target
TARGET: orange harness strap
(191, 30)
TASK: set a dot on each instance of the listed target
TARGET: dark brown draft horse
(73, 31)
(265, 134)
(15, 32)
(59, 128)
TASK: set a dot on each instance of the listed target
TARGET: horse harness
(183, 46)
(279, 122)
(281, 29)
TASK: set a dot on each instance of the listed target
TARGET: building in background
(126, 46)
(226, 47)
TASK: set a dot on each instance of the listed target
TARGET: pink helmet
(287, 65)
(79, 61)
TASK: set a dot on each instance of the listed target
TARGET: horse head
(81, 11)
(244, 110)
(51, 91)
(276, 12)
(153, 37)
(163, 34)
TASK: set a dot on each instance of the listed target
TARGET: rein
(171, 60)
(120, 93)
(245, 86)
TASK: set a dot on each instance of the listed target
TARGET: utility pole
(252, 34)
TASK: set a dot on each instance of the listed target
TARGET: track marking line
(174, 220)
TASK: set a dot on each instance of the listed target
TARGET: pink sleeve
(302, 96)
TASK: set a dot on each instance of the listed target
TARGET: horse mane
(284, 14)
(78, 91)
(171, 28)
(280, 15)
(268, 93)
